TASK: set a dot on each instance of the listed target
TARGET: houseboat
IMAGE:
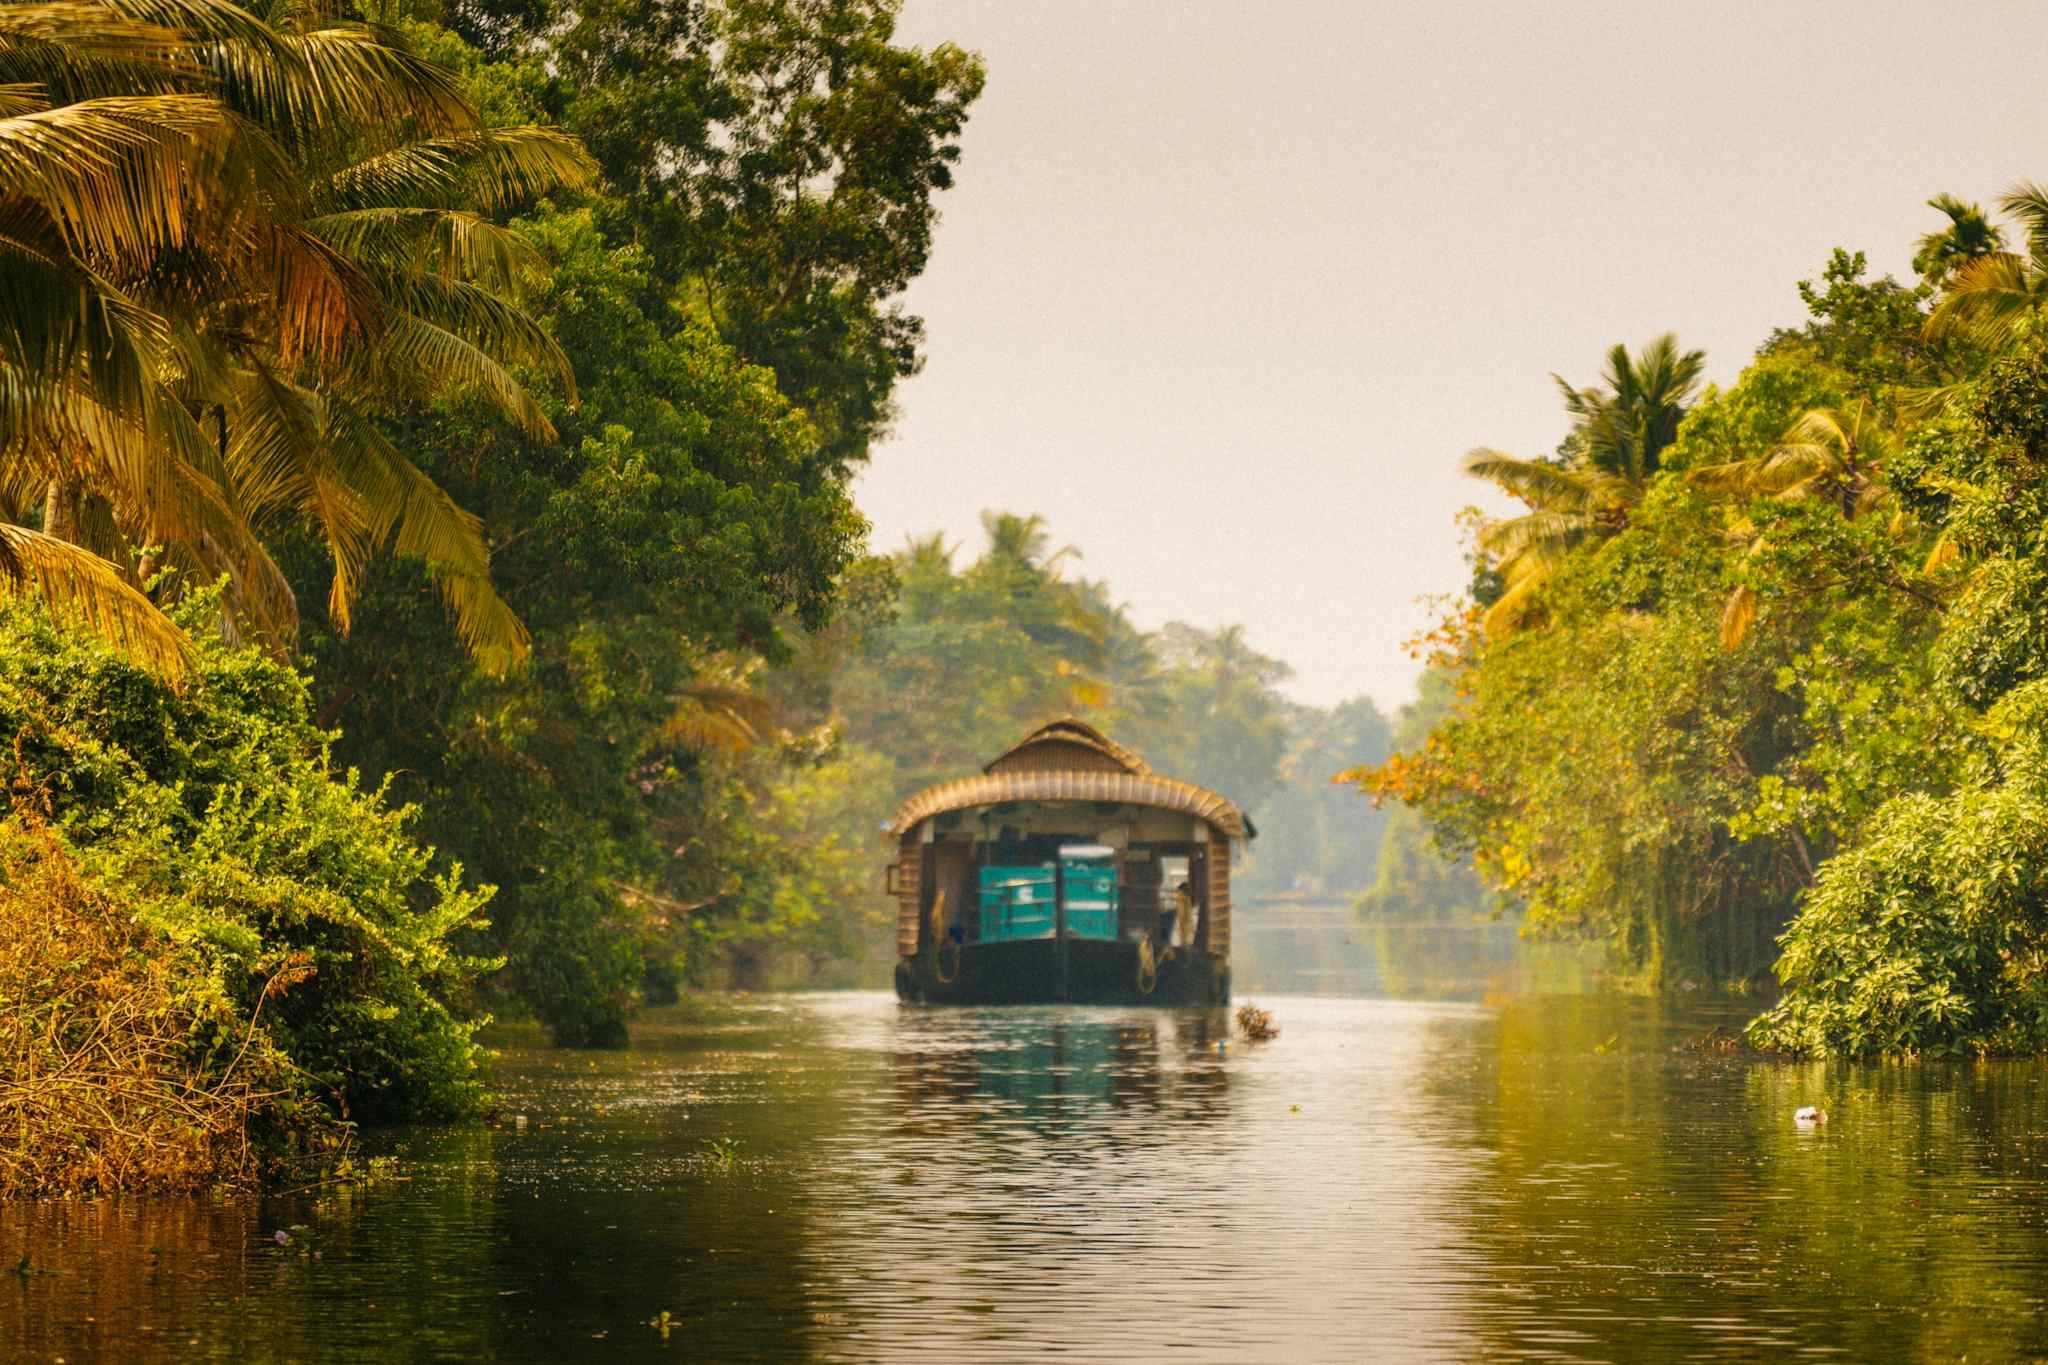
(1066, 871)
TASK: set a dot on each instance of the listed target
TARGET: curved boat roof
(1070, 760)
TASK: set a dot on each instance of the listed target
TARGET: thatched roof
(1067, 745)
(1070, 760)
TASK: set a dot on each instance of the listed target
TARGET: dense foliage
(726, 303)
(291, 936)
(528, 453)
(1771, 670)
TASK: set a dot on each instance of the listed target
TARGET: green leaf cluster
(306, 914)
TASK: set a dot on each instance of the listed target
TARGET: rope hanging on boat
(1148, 967)
(1183, 915)
(942, 941)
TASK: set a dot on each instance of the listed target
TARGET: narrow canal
(842, 1178)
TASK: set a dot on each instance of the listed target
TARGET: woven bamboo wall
(909, 866)
(1219, 893)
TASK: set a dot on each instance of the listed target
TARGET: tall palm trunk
(63, 509)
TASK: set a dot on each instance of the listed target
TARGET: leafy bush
(290, 903)
(101, 1086)
(1931, 936)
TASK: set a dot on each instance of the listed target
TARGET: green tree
(1413, 879)
(1989, 296)
(293, 244)
(1313, 835)
(680, 516)
(302, 912)
(1968, 236)
(1225, 725)
(1619, 433)
(779, 162)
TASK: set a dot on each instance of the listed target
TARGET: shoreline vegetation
(1754, 686)
(422, 427)
(429, 584)
(430, 588)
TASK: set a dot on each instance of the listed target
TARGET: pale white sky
(1225, 290)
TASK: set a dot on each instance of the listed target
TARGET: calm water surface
(843, 1178)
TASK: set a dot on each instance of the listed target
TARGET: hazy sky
(1226, 290)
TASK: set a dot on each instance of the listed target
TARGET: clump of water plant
(722, 1154)
(1256, 1024)
(1714, 1038)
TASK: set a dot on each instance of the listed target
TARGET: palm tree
(1968, 236)
(1835, 455)
(92, 181)
(1989, 295)
(1024, 541)
(218, 283)
(1620, 431)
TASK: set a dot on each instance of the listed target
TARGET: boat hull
(1096, 972)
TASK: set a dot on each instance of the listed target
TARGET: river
(837, 1177)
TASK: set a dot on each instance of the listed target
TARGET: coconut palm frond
(1540, 483)
(1986, 301)
(1797, 463)
(44, 47)
(79, 586)
(1730, 477)
(1944, 552)
(433, 361)
(421, 521)
(1923, 403)
(1545, 532)
(487, 169)
(322, 301)
(1515, 610)
(717, 716)
(116, 174)
(2028, 202)
(464, 246)
(340, 76)
(485, 320)
(1737, 616)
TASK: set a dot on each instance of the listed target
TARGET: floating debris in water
(1256, 1024)
(1715, 1039)
(1810, 1117)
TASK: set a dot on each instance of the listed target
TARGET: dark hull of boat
(1094, 972)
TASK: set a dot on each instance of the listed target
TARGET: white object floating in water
(1810, 1115)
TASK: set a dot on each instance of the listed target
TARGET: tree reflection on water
(841, 1177)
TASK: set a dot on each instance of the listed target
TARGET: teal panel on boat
(1087, 923)
(1088, 884)
(1016, 903)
